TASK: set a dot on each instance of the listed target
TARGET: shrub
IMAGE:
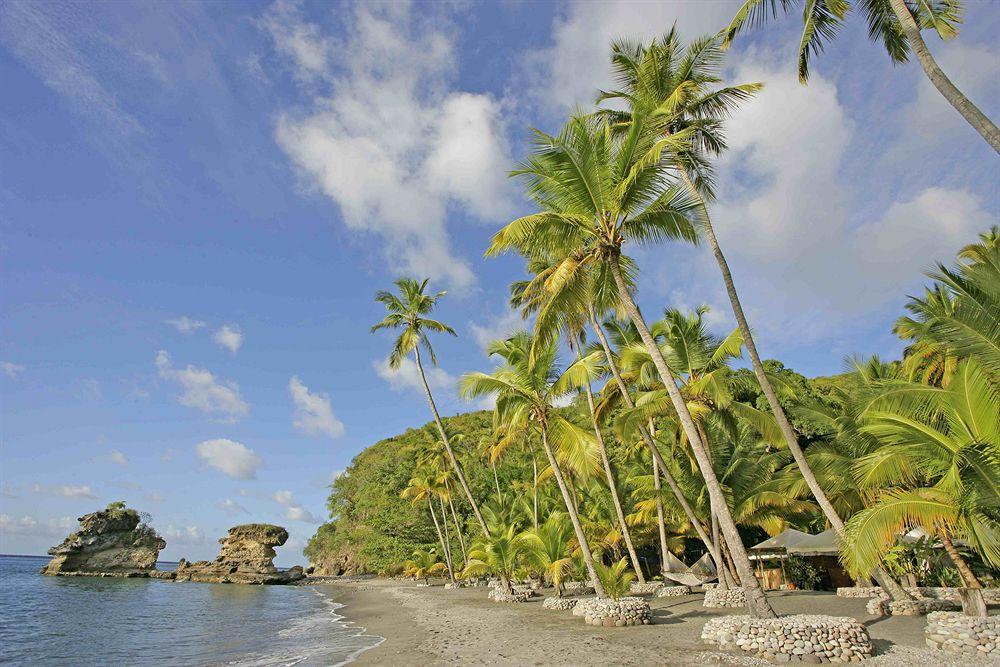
(802, 573)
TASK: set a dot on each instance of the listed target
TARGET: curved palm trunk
(588, 557)
(447, 445)
(976, 118)
(609, 475)
(447, 539)
(661, 528)
(757, 603)
(648, 439)
(973, 602)
(791, 439)
(444, 546)
(458, 529)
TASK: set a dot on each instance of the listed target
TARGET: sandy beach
(434, 626)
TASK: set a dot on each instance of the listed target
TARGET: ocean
(109, 621)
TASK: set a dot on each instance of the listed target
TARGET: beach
(436, 626)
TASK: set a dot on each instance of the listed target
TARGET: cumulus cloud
(407, 376)
(232, 458)
(293, 511)
(230, 506)
(571, 70)
(183, 535)
(389, 139)
(230, 337)
(202, 391)
(119, 458)
(313, 414)
(66, 491)
(10, 369)
(185, 324)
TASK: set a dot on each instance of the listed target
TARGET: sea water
(111, 621)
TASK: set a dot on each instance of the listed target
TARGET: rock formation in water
(246, 557)
(112, 542)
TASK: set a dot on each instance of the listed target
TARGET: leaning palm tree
(408, 311)
(673, 84)
(423, 486)
(896, 23)
(598, 189)
(525, 387)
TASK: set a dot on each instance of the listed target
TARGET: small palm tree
(423, 565)
(408, 311)
(895, 23)
(498, 554)
(615, 578)
(548, 548)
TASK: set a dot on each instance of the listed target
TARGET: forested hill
(372, 528)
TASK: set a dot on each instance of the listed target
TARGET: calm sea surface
(95, 621)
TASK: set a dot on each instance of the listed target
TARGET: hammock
(696, 575)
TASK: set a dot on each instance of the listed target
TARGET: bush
(802, 573)
(616, 578)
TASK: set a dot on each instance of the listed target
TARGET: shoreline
(436, 626)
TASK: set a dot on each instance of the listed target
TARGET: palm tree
(598, 189)
(525, 386)
(547, 547)
(421, 487)
(938, 468)
(497, 554)
(423, 564)
(408, 311)
(615, 579)
(673, 83)
(896, 23)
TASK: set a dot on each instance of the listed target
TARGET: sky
(198, 202)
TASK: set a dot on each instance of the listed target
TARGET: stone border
(610, 613)
(498, 595)
(718, 598)
(560, 603)
(673, 591)
(648, 588)
(991, 595)
(806, 638)
(453, 585)
(968, 635)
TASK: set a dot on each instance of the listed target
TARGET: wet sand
(435, 626)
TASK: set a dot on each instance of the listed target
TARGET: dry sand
(435, 626)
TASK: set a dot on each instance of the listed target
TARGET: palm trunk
(609, 474)
(968, 578)
(791, 439)
(976, 118)
(458, 529)
(444, 546)
(661, 528)
(648, 438)
(447, 539)
(757, 603)
(447, 445)
(534, 470)
(588, 557)
(496, 481)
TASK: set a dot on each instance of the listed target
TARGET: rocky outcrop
(113, 542)
(246, 557)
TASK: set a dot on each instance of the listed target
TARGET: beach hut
(821, 550)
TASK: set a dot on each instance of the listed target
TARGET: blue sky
(198, 202)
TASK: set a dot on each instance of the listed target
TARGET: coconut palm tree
(673, 83)
(499, 554)
(598, 189)
(422, 487)
(408, 311)
(547, 548)
(938, 468)
(617, 581)
(895, 23)
(525, 387)
(423, 564)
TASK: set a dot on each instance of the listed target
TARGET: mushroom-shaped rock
(112, 542)
(246, 557)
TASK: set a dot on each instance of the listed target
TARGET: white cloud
(577, 65)
(203, 391)
(119, 458)
(297, 40)
(313, 414)
(293, 511)
(498, 327)
(390, 141)
(11, 369)
(182, 535)
(66, 491)
(185, 324)
(407, 376)
(230, 506)
(229, 457)
(27, 525)
(230, 337)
